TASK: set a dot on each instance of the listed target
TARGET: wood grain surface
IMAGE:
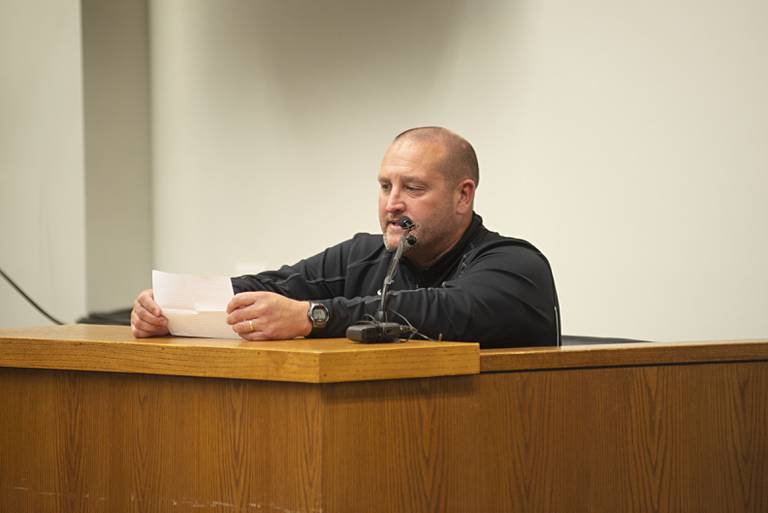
(677, 438)
(114, 349)
(611, 355)
(579, 435)
(672, 438)
(97, 442)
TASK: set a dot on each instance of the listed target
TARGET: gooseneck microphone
(406, 238)
(380, 330)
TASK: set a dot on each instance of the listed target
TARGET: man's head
(429, 174)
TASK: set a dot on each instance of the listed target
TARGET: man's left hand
(268, 316)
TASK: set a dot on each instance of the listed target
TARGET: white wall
(117, 151)
(41, 160)
(75, 195)
(627, 140)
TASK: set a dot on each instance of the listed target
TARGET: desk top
(114, 349)
(622, 355)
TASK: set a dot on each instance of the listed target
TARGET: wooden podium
(94, 420)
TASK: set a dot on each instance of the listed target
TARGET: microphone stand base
(369, 333)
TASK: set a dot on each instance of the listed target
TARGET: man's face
(412, 184)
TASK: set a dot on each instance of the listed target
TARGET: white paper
(195, 306)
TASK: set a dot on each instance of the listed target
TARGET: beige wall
(42, 208)
(74, 154)
(117, 151)
(626, 140)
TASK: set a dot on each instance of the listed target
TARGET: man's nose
(394, 201)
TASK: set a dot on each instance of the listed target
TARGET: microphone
(407, 225)
(381, 330)
(406, 238)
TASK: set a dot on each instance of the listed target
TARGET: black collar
(441, 270)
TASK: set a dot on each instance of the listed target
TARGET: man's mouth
(394, 223)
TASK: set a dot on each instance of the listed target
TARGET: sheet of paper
(195, 306)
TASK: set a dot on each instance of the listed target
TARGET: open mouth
(394, 225)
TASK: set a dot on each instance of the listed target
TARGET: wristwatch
(318, 315)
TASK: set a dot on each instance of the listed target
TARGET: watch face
(318, 313)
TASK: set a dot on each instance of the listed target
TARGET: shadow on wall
(311, 51)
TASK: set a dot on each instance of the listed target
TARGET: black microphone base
(369, 333)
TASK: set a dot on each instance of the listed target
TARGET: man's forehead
(412, 158)
(409, 170)
(387, 174)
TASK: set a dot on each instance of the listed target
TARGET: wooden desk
(93, 420)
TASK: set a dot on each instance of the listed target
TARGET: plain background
(627, 140)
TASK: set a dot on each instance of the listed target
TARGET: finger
(148, 317)
(137, 333)
(141, 324)
(147, 300)
(253, 335)
(242, 299)
(237, 301)
(245, 327)
(244, 313)
(141, 328)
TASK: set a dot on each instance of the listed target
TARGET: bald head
(458, 161)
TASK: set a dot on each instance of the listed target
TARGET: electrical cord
(29, 299)
(410, 330)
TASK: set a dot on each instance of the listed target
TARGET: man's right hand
(147, 320)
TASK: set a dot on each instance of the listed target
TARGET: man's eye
(413, 188)
(385, 186)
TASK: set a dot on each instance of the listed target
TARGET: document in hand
(195, 306)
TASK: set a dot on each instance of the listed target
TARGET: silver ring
(250, 325)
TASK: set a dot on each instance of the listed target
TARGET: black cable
(29, 299)
(413, 330)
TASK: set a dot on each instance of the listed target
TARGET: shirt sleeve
(320, 276)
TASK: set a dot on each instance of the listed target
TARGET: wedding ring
(250, 325)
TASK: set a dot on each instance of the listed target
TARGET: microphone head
(406, 223)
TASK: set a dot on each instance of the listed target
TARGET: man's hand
(268, 316)
(147, 320)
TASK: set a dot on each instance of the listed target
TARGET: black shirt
(491, 289)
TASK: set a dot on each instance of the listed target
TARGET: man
(460, 281)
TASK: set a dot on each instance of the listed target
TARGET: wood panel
(401, 446)
(661, 438)
(682, 438)
(93, 442)
(114, 349)
(631, 440)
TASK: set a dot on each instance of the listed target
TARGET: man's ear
(466, 195)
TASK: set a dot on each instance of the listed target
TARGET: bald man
(460, 281)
